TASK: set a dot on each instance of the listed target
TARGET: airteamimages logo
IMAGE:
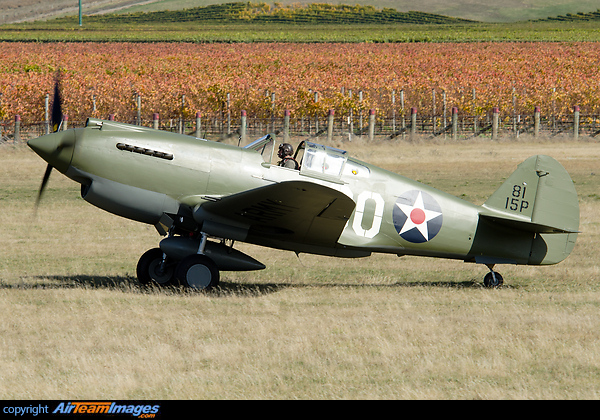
(142, 411)
(417, 216)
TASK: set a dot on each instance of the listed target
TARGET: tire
(198, 272)
(493, 281)
(148, 269)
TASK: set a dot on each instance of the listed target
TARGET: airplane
(204, 196)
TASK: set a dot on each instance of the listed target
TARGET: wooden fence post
(286, 125)
(181, 128)
(46, 114)
(454, 123)
(474, 113)
(360, 115)
(536, 121)
(17, 128)
(198, 124)
(433, 111)
(243, 125)
(229, 113)
(330, 124)
(393, 110)
(444, 111)
(371, 124)
(413, 122)
(402, 111)
(514, 112)
(317, 115)
(576, 122)
(139, 109)
(350, 118)
(495, 117)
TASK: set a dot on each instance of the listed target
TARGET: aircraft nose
(56, 148)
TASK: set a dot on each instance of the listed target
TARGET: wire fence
(348, 127)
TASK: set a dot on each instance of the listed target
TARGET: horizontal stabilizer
(524, 225)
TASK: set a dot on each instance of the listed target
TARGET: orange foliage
(551, 75)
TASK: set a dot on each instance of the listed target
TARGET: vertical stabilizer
(533, 218)
(540, 192)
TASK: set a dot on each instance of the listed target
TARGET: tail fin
(539, 198)
(540, 195)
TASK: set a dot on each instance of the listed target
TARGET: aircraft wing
(295, 211)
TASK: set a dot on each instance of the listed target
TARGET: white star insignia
(417, 216)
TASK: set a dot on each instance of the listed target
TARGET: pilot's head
(285, 149)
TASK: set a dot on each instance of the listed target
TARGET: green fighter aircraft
(204, 196)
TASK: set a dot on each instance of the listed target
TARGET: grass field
(76, 325)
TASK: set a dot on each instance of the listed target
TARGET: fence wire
(345, 127)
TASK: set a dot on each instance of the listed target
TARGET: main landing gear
(195, 271)
(492, 279)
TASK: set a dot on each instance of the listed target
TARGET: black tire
(148, 269)
(493, 281)
(198, 272)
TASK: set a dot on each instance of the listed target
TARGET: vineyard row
(347, 127)
(178, 80)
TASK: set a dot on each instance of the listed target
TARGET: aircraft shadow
(72, 282)
(226, 288)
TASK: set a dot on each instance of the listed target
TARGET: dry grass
(76, 325)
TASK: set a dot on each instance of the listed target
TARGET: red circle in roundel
(417, 216)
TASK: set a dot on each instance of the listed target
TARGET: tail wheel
(150, 268)
(493, 280)
(198, 272)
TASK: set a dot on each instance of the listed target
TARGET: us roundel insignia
(417, 216)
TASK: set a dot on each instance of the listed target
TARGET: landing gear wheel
(493, 280)
(149, 269)
(198, 272)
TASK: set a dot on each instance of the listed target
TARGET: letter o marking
(360, 214)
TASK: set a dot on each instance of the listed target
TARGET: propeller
(56, 122)
(57, 114)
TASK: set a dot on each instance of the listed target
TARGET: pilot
(285, 154)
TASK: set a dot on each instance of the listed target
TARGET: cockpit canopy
(315, 160)
(320, 160)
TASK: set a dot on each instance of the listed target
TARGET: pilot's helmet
(285, 149)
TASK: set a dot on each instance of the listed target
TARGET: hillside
(578, 17)
(505, 11)
(247, 12)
